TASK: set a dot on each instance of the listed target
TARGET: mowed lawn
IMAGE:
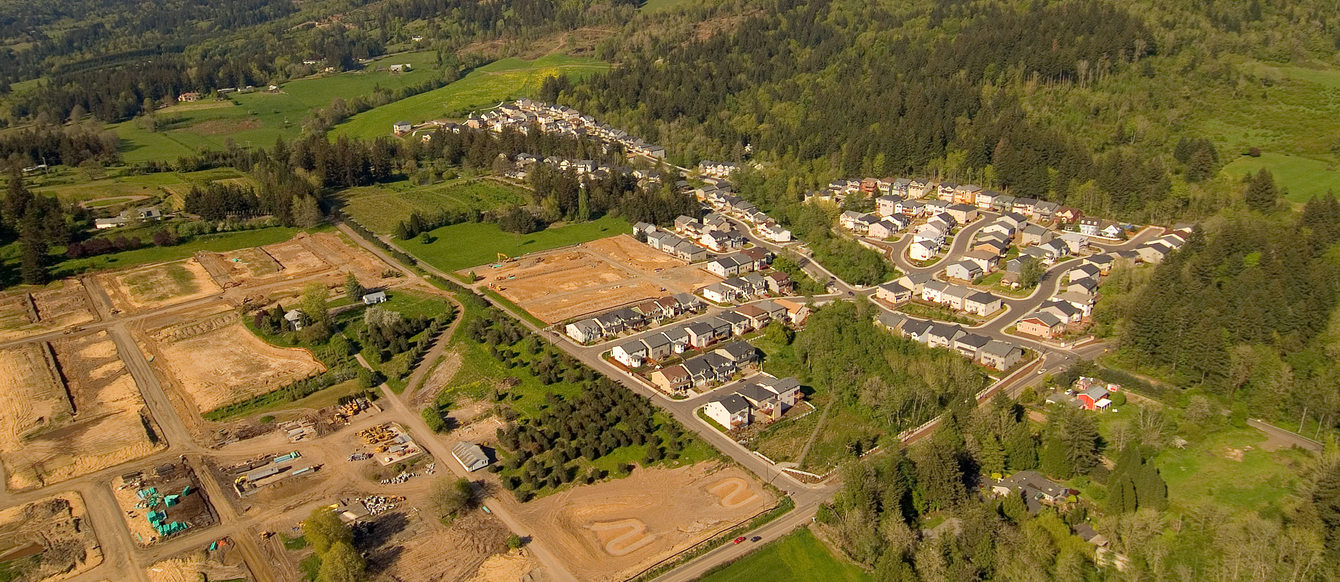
(382, 206)
(471, 244)
(798, 557)
(1302, 177)
(500, 80)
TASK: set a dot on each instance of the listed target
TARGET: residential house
(690, 252)
(718, 293)
(772, 309)
(933, 291)
(893, 292)
(1153, 252)
(1084, 271)
(955, 295)
(887, 205)
(774, 232)
(882, 229)
(967, 194)
(1045, 211)
(688, 303)
(739, 353)
(1024, 206)
(986, 198)
(930, 233)
(984, 259)
(963, 270)
(963, 213)
(1003, 203)
(779, 283)
(722, 366)
(999, 355)
(1080, 301)
(918, 188)
(892, 321)
(851, 220)
(1068, 215)
(700, 371)
(630, 353)
(722, 240)
(296, 319)
(679, 339)
(727, 266)
(586, 330)
(375, 298)
(1086, 287)
(796, 312)
(700, 334)
(942, 335)
(1111, 230)
(1034, 489)
(995, 246)
(1104, 262)
(643, 228)
(970, 344)
(1088, 226)
(1075, 242)
(1062, 310)
(911, 208)
(739, 324)
(730, 411)
(917, 330)
(757, 317)
(400, 128)
(652, 311)
(1041, 324)
(923, 250)
(658, 346)
(1054, 249)
(721, 329)
(1035, 235)
(999, 226)
(914, 281)
(982, 303)
(759, 257)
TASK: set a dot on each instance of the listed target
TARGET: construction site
(62, 306)
(72, 408)
(162, 501)
(220, 560)
(592, 277)
(249, 477)
(615, 529)
(48, 539)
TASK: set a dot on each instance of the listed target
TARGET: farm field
(591, 277)
(96, 419)
(798, 557)
(259, 118)
(611, 530)
(47, 539)
(500, 80)
(381, 207)
(470, 244)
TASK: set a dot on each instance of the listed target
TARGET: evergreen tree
(352, 288)
(1021, 449)
(992, 455)
(939, 477)
(1122, 495)
(1054, 460)
(1261, 192)
(1150, 489)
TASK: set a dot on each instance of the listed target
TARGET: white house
(730, 411)
(965, 270)
(922, 250)
(630, 353)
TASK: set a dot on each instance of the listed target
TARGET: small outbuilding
(470, 456)
(374, 298)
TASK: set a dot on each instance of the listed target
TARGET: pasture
(71, 187)
(469, 244)
(258, 118)
(382, 206)
(500, 80)
(1302, 177)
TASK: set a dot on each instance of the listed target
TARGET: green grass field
(472, 244)
(221, 242)
(380, 207)
(508, 78)
(798, 557)
(1204, 472)
(1303, 177)
(654, 6)
(258, 118)
(71, 187)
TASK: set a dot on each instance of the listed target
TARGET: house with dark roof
(1035, 490)
(999, 355)
(730, 411)
(740, 353)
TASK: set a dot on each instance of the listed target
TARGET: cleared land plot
(61, 306)
(48, 539)
(218, 361)
(424, 550)
(224, 563)
(381, 207)
(159, 285)
(500, 80)
(161, 502)
(611, 530)
(109, 424)
(591, 277)
(797, 557)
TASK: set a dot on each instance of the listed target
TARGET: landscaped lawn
(484, 87)
(798, 557)
(382, 206)
(471, 244)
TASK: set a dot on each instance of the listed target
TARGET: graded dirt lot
(224, 563)
(419, 549)
(591, 277)
(612, 530)
(61, 306)
(217, 360)
(107, 423)
(158, 285)
(53, 534)
(305, 256)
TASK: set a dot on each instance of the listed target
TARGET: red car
(740, 539)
